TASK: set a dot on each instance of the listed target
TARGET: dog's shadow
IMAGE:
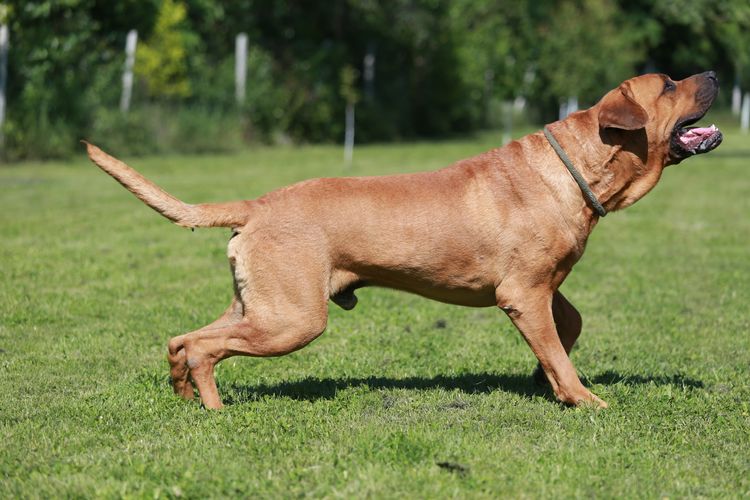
(313, 389)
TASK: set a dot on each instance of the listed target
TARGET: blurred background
(207, 75)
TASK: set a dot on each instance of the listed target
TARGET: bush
(42, 138)
(440, 68)
(163, 128)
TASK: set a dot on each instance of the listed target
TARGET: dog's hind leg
(206, 347)
(282, 286)
(179, 370)
(568, 323)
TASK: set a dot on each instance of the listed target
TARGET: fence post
(127, 76)
(572, 104)
(507, 121)
(351, 96)
(568, 107)
(240, 67)
(745, 113)
(736, 96)
(349, 134)
(3, 76)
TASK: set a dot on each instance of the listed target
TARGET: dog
(501, 229)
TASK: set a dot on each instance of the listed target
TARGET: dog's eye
(669, 86)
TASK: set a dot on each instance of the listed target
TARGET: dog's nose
(711, 75)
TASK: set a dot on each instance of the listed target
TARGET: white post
(349, 134)
(572, 104)
(745, 113)
(127, 76)
(519, 104)
(240, 67)
(736, 98)
(568, 107)
(3, 74)
(507, 121)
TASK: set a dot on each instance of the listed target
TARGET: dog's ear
(618, 109)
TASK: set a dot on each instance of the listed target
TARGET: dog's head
(664, 110)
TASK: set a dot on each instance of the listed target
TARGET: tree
(730, 24)
(63, 64)
(496, 49)
(586, 48)
(162, 58)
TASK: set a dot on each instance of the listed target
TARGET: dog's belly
(441, 259)
(466, 286)
(463, 296)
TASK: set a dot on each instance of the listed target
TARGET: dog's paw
(590, 400)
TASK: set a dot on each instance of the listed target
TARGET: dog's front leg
(568, 323)
(531, 312)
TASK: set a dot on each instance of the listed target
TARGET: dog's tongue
(693, 137)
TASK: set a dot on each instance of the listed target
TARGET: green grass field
(401, 396)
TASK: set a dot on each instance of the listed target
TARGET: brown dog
(501, 229)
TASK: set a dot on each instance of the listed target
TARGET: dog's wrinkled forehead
(658, 88)
(665, 99)
(646, 89)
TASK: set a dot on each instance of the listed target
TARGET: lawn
(401, 396)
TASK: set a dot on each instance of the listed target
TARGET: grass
(401, 396)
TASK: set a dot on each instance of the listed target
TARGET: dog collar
(585, 189)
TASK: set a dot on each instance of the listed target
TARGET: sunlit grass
(94, 283)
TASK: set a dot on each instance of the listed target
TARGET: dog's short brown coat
(501, 229)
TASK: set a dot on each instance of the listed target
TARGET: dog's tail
(231, 214)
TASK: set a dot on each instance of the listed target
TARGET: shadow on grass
(610, 377)
(312, 389)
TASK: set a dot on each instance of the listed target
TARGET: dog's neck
(619, 176)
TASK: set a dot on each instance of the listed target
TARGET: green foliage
(731, 26)
(162, 59)
(39, 56)
(63, 65)
(167, 129)
(40, 137)
(567, 64)
(494, 50)
(441, 68)
(691, 35)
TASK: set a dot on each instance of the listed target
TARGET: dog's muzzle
(688, 141)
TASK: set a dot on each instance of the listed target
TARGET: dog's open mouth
(687, 141)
